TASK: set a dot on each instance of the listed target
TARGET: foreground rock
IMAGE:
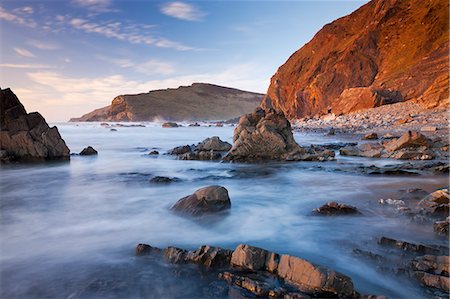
(436, 204)
(211, 199)
(88, 151)
(267, 135)
(432, 271)
(263, 273)
(209, 149)
(410, 146)
(334, 208)
(27, 137)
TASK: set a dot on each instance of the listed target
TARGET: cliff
(199, 101)
(387, 51)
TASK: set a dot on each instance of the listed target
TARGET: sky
(66, 58)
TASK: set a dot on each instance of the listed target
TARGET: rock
(206, 200)
(390, 201)
(409, 139)
(213, 144)
(113, 130)
(267, 135)
(411, 247)
(27, 137)
(262, 285)
(145, 249)
(175, 255)
(194, 125)
(209, 149)
(170, 125)
(370, 136)
(88, 151)
(435, 204)
(441, 227)
(154, 153)
(254, 258)
(334, 208)
(211, 257)
(433, 281)
(428, 129)
(314, 279)
(163, 179)
(331, 132)
(434, 264)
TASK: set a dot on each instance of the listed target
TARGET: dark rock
(260, 284)
(27, 137)
(370, 136)
(113, 130)
(209, 149)
(206, 200)
(214, 144)
(145, 249)
(267, 135)
(179, 150)
(334, 208)
(441, 227)
(88, 151)
(175, 255)
(170, 125)
(433, 281)
(154, 153)
(379, 259)
(331, 132)
(194, 125)
(406, 246)
(436, 204)
(211, 257)
(163, 180)
(433, 264)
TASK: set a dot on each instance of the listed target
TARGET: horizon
(147, 45)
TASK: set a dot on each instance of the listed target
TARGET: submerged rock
(163, 179)
(170, 125)
(334, 208)
(153, 153)
(27, 137)
(407, 246)
(267, 135)
(88, 151)
(206, 200)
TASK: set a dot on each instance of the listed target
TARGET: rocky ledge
(253, 271)
(27, 137)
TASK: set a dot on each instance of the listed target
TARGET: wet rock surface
(163, 180)
(88, 151)
(267, 135)
(209, 149)
(334, 208)
(207, 200)
(27, 137)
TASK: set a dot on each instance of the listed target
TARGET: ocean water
(69, 229)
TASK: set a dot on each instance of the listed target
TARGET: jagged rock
(334, 208)
(163, 179)
(312, 278)
(170, 125)
(175, 255)
(436, 204)
(27, 137)
(267, 135)
(433, 264)
(433, 281)
(153, 153)
(441, 227)
(209, 149)
(370, 136)
(210, 256)
(145, 249)
(88, 151)
(254, 258)
(260, 284)
(408, 140)
(411, 247)
(206, 200)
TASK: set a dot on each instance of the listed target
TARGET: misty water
(68, 230)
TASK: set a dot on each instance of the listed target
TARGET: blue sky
(66, 58)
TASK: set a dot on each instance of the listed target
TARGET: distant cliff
(199, 101)
(386, 51)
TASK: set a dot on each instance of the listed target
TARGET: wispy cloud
(149, 67)
(24, 10)
(24, 52)
(15, 18)
(183, 11)
(95, 5)
(26, 66)
(43, 45)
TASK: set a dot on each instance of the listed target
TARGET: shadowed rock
(334, 208)
(88, 151)
(206, 200)
(209, 149)
(27, 137)
(170, 125)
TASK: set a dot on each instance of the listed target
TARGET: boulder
(370, 136)
(209, 256)
(435, 204)
(27, 137)
(153, 153)
(434, 264)
(409, 139)
(88, 151)
(254, 258)
(175, 255)
(145, 249)
(170, 125)
(441, 227)
(267, 135)
(314, 279)
(206, 200)
(209, 149)
(213, 144)
(439, 282)
(334, 208)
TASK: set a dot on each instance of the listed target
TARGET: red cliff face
(384, 52)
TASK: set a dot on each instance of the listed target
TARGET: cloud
(24, 52)
(24, 10)
(95, 5)
(128, 33)
(43, 45)
(149, 67)
(183, 11)
(14, 18)
(26, 66)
